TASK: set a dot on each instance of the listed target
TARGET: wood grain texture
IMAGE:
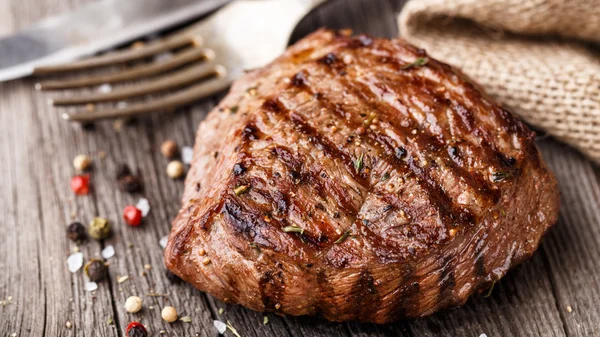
(556, 293)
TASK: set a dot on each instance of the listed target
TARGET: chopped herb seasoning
(500, 176)
(221, 311)
(186, 319)
(233, 109)
(241, 190)
(293, 229)
(370, 119)
(358, 164)
(265, 320)
(421, 61)
(385, 176)
(252, 91)
(343, 237)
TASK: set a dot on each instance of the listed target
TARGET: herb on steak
(293, 229)
(385, 176)
(421, 61)
(241, 190)
(500, 176)
(358, 163)
(343, 237)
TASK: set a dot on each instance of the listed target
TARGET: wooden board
(556, 293)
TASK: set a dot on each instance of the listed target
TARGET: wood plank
(572, 248)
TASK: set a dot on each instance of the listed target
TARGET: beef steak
(356, 178)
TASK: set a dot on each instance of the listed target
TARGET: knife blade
(93, 28)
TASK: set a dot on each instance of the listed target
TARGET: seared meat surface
(356, 178)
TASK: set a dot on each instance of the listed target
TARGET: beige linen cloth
(537, 57)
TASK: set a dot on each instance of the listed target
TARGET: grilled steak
(356, 178)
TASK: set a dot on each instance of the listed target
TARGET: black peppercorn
(172, 277)
(95, 269)
(76, 232)
(130, 184)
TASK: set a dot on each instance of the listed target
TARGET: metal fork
(208, 57)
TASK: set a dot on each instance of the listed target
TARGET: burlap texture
(535, 56)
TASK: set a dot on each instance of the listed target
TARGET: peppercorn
(133, 304)
(95, 269)
(80, 184)
(130, 184)
(136, 329)
(132, 216)
(169, 314)
(172, 277)
(175, 169)
(169, 149)
(82, 162)
(99, 228)
(76, 232)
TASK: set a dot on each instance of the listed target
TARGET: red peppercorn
(81, 184)
(136, 329)
(132, 215)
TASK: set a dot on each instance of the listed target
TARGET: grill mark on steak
(430, 185)
(425, 140)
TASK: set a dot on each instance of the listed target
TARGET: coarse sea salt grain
(186, 154)
(108, 252)
(221, 327)
(483, 335)
(144, 206)
(91, 286)
(75, 262)
(163, 241)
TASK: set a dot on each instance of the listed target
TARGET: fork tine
(177, 61)
(121, 56)
(170, 102)
(170, 81)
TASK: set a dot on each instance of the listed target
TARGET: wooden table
(556, 293)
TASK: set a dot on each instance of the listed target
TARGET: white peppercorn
(175, 169)
(133, 304)
(169, 314)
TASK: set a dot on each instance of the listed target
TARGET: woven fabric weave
(540, 58)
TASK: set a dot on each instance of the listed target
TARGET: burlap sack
(535, 56)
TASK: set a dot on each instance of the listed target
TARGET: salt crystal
(91, 286)
(163, 241)
(75, 262)
(121, 105)
(143, 206)
(105, 88)
(483, 335)
(186, 154)
(108, 252)
(221, 327)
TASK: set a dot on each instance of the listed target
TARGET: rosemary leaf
(343, 237)
(358, 163)
(489, 291)
(241, 190)
(421, 61)
(293, 229)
